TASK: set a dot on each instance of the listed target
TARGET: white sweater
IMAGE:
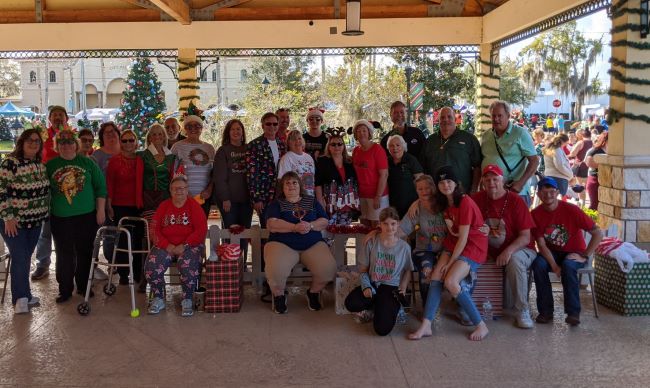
(557, 166)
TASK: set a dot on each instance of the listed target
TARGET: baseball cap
(493, 169)
(547, 181)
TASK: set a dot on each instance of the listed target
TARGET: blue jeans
(422, 260)
(20, 248)
(44, 246)
(570, 285)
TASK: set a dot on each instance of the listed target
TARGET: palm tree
(562, 57)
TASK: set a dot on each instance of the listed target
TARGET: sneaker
(573, 320)
(523, 320)
(187, 308)
(21, 306)
(543, 318)
(34, 301)
(156, 306)
(314, 301)
(279, 304)
(99, 274)
(40, 273)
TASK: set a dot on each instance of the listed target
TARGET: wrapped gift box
(626, 293)
(489, 284)
(224, 286)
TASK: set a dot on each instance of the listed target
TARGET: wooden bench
(255, 234)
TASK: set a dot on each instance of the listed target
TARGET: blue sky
(593, 26)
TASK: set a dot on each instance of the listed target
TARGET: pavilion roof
(78, 11)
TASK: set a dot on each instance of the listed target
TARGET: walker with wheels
(115, 232)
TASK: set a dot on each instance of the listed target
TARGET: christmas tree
(5, 132)
(142, 101)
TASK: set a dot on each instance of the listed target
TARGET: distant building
(58, 82)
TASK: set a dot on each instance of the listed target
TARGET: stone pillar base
(624, 196)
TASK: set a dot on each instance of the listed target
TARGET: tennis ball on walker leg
(135, 313)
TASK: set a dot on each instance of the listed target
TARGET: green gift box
(626, 293)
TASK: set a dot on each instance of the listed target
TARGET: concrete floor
(55, 346)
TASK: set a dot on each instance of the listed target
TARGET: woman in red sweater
(123, 202)
(180, 227)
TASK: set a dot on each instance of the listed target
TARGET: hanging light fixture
(352, 18)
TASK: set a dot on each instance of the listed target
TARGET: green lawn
(6, 145)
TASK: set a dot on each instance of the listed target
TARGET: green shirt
(461, 151)
(75, 185)
(515, 143)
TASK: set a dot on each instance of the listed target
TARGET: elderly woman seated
(295, 222)
(180, 227)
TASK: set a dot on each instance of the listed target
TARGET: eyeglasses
(86, 140)
(179, 189)
(124, 141)
(272, 124)
(336, 144)
(66, 141)
(33, 141)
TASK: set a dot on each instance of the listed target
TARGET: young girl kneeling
(465, 249)
(385, 273)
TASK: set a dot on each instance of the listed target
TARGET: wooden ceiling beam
(315, 13)
(142, 3)
(9, 17)
(177, 9)
(100, 15)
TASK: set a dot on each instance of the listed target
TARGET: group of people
(299, 184)
(569, 159)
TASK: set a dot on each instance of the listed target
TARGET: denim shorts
(468, 283)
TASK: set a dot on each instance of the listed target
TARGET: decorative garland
(183, 66)
(192, 97)
(488, 63)
(633, 65)
(485, 122)
(189, 87)
(628, 80)
(629, 96)
(485, 115)
(484, 106)
(614, 115)
(632, 11)
(488, 96)
(625, 27)
(489, 76)
(484, 86)
(635, 45)
(616, 7)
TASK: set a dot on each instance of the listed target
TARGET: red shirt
(48, 146)
(563, 227)
(466, 214)
(121, 182)
(173, 225)
(367, 165)
(504, 219)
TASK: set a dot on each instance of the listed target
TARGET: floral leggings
(189, 265)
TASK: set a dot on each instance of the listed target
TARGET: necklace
(442, 145)
(494, 227)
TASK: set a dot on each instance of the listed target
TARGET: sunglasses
(272, 124)
(124, 141)
(336, 144)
